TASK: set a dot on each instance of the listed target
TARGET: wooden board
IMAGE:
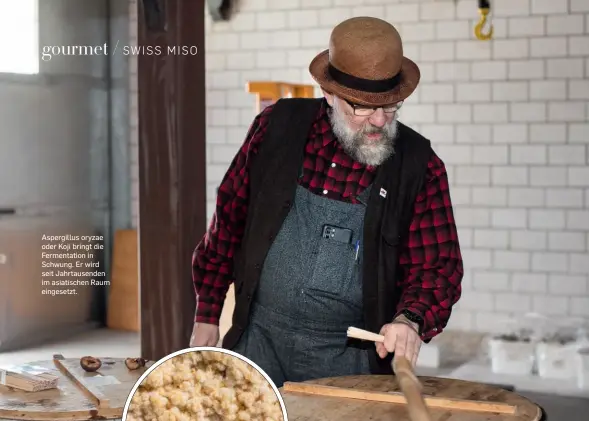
(123, 299)
(305, 407)
(69, 401)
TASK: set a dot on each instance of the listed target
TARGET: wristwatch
(415, 318)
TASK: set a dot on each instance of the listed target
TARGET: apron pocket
(335, 273)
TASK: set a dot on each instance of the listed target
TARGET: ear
(329, 97)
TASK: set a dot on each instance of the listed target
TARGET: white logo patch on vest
(383, 192)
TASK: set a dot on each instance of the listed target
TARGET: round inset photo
(204, 384)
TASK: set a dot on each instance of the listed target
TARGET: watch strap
(415, 318)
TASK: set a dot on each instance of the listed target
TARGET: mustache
(373, 130)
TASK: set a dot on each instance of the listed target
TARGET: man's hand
(401, 337)
(204, 334)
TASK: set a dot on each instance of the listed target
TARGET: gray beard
(361, 150)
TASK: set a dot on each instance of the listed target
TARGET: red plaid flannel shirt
(431, 258)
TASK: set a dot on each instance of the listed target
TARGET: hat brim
(410, 76)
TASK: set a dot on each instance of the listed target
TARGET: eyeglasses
(364, 111)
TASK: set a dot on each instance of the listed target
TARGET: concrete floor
(560, 408)
(111, 343)
(125, 344)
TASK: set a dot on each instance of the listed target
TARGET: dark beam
(172, 159)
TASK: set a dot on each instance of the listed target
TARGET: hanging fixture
(484, 9)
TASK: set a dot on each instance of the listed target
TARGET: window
(19, 36)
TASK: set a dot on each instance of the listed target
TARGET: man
(333, 214)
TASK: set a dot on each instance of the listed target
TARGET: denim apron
(310, 292)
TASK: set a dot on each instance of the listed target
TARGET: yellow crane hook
(484, 9)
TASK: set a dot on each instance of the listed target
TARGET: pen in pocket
(357, 249)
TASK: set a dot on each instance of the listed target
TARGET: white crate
(556, 361)
(511, 357)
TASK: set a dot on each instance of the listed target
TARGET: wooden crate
(123, 300)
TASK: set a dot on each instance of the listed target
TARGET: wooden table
(308, 407)
(113, 380)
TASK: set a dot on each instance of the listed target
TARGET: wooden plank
(379, 398)
(123, 300)
(430, 401)
(68, 401)
(101, 400)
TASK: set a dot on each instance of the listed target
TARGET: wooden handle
(93, 393)
(411, 388)
(408, 382)
(398, 398)
(354, 332)
(401, 364)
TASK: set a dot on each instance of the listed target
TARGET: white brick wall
(510, 118)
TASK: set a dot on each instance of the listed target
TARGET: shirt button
(324, 191)
(333, 165)
(435, 329)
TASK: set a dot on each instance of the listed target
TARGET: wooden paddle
(411, 388)
(408, 382)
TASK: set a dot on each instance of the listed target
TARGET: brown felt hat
(365, 64)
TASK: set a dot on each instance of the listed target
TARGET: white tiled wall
(510, 118)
